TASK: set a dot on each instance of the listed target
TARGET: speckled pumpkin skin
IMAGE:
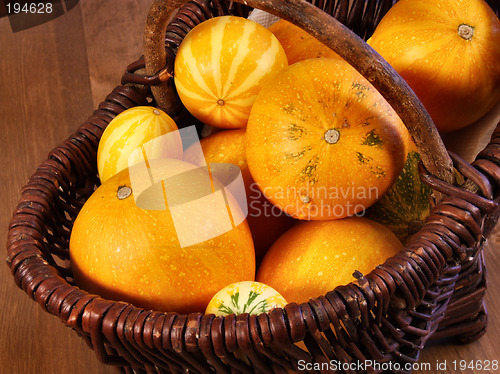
(322, 143)
(314, 257)
(266, 222)
(122, 252)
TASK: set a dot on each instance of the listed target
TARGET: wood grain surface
(51, 78)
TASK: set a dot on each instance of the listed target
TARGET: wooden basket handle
(339, 38)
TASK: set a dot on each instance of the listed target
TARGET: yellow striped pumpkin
(131, 130)
(220, 67)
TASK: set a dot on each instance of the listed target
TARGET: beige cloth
(263, 18)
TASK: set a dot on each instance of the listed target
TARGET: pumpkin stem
(123, 192)
(466, 31)
(220, 102)
(332, 136)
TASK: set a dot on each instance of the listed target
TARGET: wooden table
(51, 78)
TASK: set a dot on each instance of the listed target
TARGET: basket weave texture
(433, 288)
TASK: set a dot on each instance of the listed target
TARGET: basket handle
(336, 36)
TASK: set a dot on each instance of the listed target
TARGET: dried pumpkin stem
(466, 31)
(347, 44)
(332, 136)
(123, 192)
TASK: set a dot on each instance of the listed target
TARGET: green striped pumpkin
(406, 205)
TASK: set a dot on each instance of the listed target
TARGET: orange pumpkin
(123, 251)
(220, 67)
(314, 257)
(299, 44)
(448, 51)
(322, 143)
(266, 221)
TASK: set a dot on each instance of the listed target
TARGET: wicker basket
(433, 288)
